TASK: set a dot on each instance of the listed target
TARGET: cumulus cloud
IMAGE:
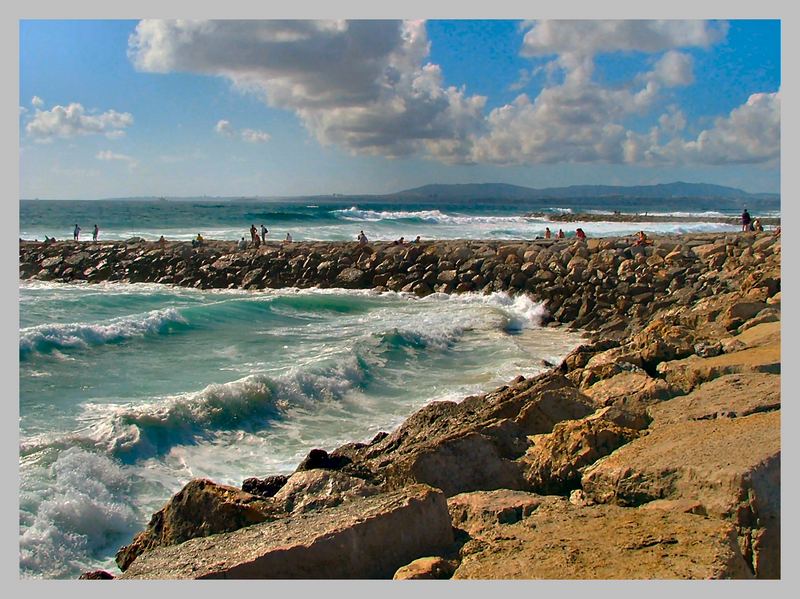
(749, 134)
(37, 102)
(367, 86)
(224, 128)
(73, 120)
(359, 84)
(254, 136)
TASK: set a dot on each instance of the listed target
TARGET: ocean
(128, 391)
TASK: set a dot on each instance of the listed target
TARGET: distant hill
(504, 191)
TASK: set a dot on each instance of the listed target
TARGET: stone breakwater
(585, 217)
(651, 451)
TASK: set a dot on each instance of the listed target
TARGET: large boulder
(558, 540)
(223, 508)
(728, 396)
(729, 465)
(554, 463)
(316, 489)
(368, 538)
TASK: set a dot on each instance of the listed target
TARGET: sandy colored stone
(366, 538)
(628, 387)
(562, 541)
(426, 568)
(730, 465)
(728, 396)
(479, 510)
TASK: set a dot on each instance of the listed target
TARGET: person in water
(95, 232)
(76, 232)
(264, 232)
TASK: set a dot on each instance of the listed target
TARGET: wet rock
(266, 487)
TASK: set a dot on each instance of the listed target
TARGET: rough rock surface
(426, 568)
(223, 508)
(368, 538)
(728, 396)
(554, 464)
(315, 489)
(730, 465)
(561, 541)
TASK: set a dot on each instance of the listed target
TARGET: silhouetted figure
(745, 220)
(76, 232)
(95, 232)
(580, 234)
(547, 233)
(264, 232)
(560, 234)
(288, 238)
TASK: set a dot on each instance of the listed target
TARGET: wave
(133, 432)
(423, 216)
(520, 312)
(46, 338)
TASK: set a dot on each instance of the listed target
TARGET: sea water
(331, 220)
(128, 391)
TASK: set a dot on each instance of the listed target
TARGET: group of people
(76, 232)
(748, 224)
(579, 233)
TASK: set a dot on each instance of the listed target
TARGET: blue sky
(128, 108)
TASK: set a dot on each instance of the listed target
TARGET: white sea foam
(50, 337)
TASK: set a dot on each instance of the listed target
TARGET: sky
(273, 108)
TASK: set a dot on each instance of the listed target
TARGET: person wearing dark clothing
(76, 232)
(580, 234)
(745, 220)
(264, 232)
(95, 232)
(253, 233)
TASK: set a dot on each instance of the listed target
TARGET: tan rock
(223, 508)
(730, 465)
(426, 568)
(318, 488)
(553, 465)
(367, 538)
(562, 541)
(478, 510)
(628, 388)
(728, 396)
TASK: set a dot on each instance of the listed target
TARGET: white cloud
(108, 155)
(37, 102)
(749, 134)
(255, 136)
(367, 86)
(223, 127)
(577, 38)
(360, 84)
(72, 120)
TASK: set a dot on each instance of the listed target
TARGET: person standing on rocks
(95, 232)
(745, 220)
(560, 234)
(253, 233)
(264, 232)
(547, 233)
(76, 232)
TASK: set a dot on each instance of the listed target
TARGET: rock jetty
(651, 451)
(628, 217)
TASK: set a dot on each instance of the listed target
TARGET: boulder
(559, 540)
(554, 463)
(730, 465)
(728, 396)
(426, 568)
(368, 538)
(223, 508)
(477, 511)
(316, 489)
(350, 277)
(266, 487)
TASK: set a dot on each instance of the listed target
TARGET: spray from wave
(46, 338)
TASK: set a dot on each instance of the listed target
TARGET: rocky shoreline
(651, 451)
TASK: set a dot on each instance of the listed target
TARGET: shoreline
(626, 217)
(666, 322)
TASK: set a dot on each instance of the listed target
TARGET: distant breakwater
(606, 285)
(625, 217)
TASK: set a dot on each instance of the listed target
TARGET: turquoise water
(129, 391)
(182, 220)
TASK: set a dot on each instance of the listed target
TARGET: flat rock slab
(730, 465)
(562, 541)
(686, 374)
(729, 396)
(365, 538)
(479, 510)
